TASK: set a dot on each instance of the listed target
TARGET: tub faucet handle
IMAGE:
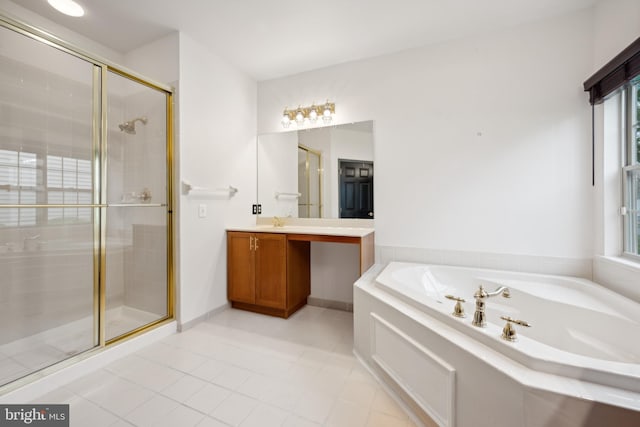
(509, 332)
(458, 310)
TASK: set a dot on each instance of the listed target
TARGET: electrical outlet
(259, 209)
(202, 211)
(254, 210)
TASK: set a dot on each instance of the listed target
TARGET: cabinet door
(271, 270)
(240, 267)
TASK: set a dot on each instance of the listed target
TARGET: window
(631, 172)
(18, 177)
(68, 181)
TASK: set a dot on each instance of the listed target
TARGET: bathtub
(579, 360)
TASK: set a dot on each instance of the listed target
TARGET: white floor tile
(121, 423)
(184, 388)
(210, 369)
(257, 386)
(283, 395)
(315, 406)
(382, 402)
(152, 411)
(181, 359)
(378, 419)
(211, 422)
(265, 416)
(235, 409)
(208, 399)
(151, 375)
(297, 421)
(347, 414)
(83, 413)
(181, 416)
(121, 397)
(358, 392)
(91, 383)
(232, 377)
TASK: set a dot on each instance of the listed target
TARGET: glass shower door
(47, 236)
(136, 225)
(309, 183)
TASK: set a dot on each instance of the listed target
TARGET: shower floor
(26, 355)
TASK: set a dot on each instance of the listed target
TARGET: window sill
(627, 263)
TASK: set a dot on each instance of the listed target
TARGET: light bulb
(300, 117)
(286, 121)
(313, 114)
(326, 114)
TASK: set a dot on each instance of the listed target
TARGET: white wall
(616, 26)
(278, 171)
(217, 148)
(158, 60)
(480, 144)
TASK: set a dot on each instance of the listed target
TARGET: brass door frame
(308, 180)
(99, 201)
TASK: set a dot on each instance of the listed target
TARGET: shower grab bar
(188, 189)
(287, 195)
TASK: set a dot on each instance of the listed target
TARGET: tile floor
(238, 369)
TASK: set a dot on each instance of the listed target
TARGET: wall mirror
(317, 173)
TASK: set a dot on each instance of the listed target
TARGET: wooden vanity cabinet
(267, 273)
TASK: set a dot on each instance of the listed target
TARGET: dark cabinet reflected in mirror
(317, 173)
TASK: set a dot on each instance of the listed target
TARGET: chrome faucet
(479, 317)
(277, 222)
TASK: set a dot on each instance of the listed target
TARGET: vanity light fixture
(302, 115)
(68, 7)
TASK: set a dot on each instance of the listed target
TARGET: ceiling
(274, 38)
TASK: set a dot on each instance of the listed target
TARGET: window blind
(621, 69)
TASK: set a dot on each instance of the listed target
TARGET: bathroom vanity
(269, 268)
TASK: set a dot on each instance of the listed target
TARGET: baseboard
(193, 322)
(327, 303)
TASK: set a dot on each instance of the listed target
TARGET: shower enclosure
(85, 202)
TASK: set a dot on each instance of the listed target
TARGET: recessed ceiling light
(68, 7)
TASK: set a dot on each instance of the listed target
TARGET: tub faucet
(479, 317)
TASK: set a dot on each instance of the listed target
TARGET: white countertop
(306, 229)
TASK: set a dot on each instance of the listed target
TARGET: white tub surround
(577, 365)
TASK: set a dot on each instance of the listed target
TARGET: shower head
(130, 126)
